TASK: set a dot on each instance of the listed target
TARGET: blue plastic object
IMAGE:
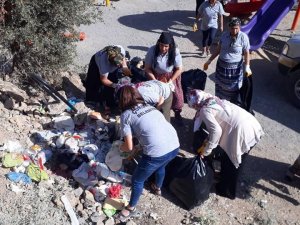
(19, 177)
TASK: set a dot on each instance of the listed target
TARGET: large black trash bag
(192, 182)
(195, 79)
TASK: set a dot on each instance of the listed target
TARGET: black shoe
(178, 119)
(224, 192)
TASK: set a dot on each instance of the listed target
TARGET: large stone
(12, 91)
(9, 103)
(72, 85)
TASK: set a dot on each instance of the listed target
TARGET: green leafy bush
(41, 34)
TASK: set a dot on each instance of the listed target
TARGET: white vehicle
(289, 66)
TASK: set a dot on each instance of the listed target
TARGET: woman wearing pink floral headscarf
(232, 128)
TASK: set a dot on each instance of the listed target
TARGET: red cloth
(115, 191)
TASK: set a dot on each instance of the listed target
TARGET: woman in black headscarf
(163, 62)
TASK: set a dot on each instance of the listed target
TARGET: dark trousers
(95, 90)
(93, 83)
(208, 36)
(229, 177)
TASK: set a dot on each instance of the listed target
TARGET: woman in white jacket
(232, 128)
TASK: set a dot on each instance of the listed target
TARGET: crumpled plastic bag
(12, 159)
(114, 158)
(19, 177)
(36, 174)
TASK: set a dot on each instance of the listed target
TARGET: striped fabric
(229, 79)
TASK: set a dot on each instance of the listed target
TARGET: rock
(9, 103)
(95, 217)
(110, 221)
(72, 198)
(154, 216)
(263, 203)
(72, 85)
(78, 191)
(83, 214)
(12, 91)
(56, 200)
(79, 207)
(63, 123)
(130, 222)
(55, 107)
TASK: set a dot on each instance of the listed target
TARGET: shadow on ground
(273, 172)
(179, 22)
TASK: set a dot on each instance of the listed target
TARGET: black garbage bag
(192, 182)
(195, 79)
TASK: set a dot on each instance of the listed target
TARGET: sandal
(127, 213)
(155, 189)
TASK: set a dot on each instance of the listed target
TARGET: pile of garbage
(81, 147)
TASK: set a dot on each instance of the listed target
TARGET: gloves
(195, 27)
(248, 71)
(205, 66)
(113, 85)
(201, 150)
(171, 85)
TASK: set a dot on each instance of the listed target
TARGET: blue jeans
(208, 36)
(146, 167)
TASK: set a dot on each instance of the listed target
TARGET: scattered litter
(70, 211)
(90, 151)
(72, 145)
(114, 157)
(19, 177)
(64, 123)
(14, 146)
(114, 191)
(12, 159)
(15, 188)
(35, 173)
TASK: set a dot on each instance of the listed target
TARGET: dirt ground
(264, 197)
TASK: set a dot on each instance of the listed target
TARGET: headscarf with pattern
(198, 100)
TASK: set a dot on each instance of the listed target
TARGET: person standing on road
(211, 12)
(163, 62)
(157, 137)
(97, 84)
(230, 127)
(233, 62)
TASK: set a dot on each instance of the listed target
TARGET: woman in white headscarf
(232, 128)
